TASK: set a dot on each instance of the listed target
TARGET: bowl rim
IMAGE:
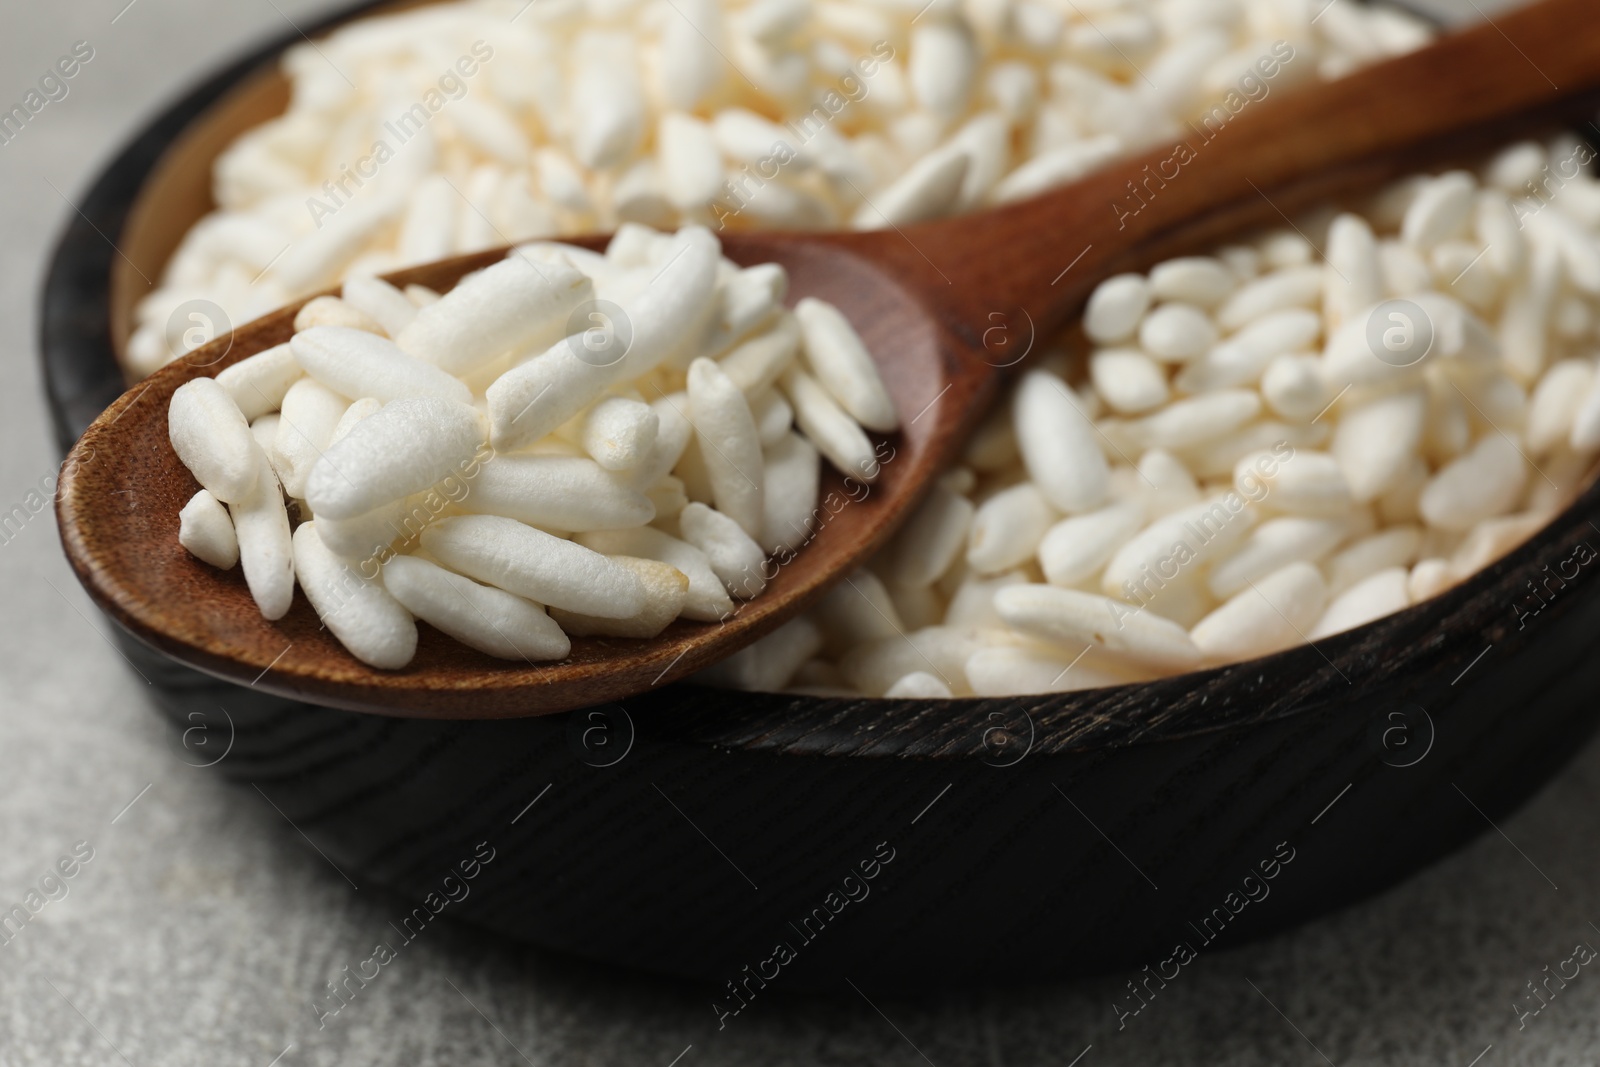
(82, 376)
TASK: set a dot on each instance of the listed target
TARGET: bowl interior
(176, 192)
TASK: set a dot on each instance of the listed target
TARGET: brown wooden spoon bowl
(128, 556)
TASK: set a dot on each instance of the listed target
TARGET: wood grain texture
(1005, 872)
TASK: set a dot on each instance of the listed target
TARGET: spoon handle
(1042, 257)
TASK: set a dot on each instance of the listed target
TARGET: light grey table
(204, 925)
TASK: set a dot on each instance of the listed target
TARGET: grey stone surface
(204, 926)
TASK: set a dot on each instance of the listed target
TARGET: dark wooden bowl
(692, 832)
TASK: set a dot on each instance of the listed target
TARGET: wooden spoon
(945, 307)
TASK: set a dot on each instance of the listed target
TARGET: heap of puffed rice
(1274, 444)
(514, 462)
(466, 125)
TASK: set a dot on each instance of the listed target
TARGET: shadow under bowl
(902, 844)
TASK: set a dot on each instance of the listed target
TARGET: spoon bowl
(127, 554)
(946, 308)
